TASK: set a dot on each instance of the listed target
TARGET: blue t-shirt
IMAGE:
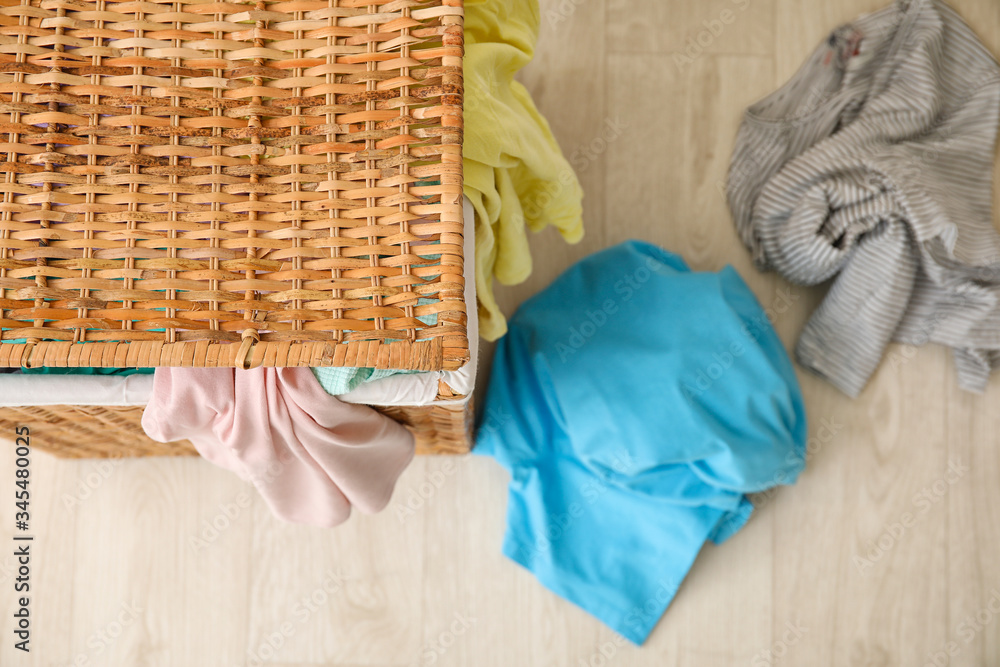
(635, 403)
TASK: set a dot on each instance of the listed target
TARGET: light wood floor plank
(138, 565)
(338, 594)
(52, 525)
(688, 29)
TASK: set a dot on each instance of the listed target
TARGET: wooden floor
(129, 570)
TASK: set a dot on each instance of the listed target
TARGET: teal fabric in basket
(85, 370)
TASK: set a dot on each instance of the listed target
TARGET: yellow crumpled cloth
(515, 173)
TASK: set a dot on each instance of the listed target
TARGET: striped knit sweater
(873, 167)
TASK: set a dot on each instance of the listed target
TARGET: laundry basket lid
(231, 184)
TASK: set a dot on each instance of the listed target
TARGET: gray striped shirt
(872, 167)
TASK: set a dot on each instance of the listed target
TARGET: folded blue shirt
(635, 403)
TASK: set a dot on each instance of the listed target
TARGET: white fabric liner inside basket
(408, 389)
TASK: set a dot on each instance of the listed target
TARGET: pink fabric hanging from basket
(311, 456)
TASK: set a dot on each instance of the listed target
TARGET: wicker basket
(79, 431)
(230, 184)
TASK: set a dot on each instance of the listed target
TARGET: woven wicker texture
(438, 429)
(218, 183)
(76, 432)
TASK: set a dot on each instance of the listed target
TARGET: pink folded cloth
(309, 455)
